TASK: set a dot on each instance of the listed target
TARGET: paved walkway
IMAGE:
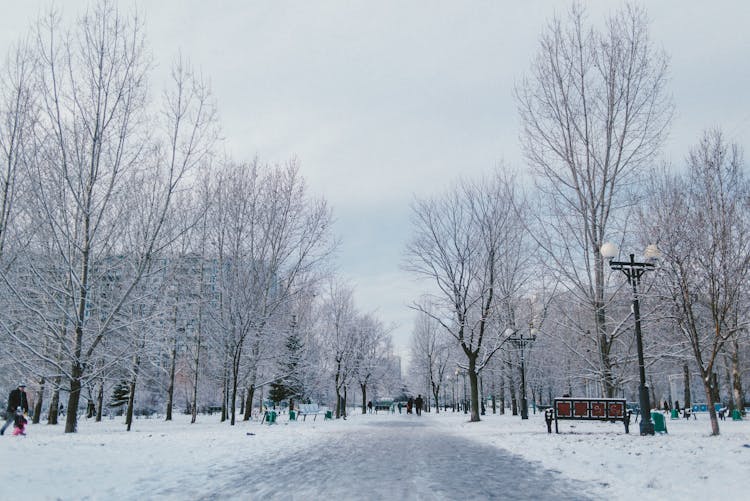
(397, 460)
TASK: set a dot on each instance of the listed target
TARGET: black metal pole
(634, 271)
(646, 425)
(524, 403)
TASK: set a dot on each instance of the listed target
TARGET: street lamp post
(634, 270)
(521, 341)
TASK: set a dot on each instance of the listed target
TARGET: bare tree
(337, 324)
(460, 243)
(372, 346)
(594, 112)
(703, 273)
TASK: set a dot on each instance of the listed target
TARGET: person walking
(16, 399)
(409, 405)
(369, 406)
(418, 403)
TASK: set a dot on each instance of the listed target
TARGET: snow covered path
(387, 458)
(384, 456)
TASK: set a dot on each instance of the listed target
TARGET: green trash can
(675, 414)
(736, 415)
(270, 417)
(329, 415)
(660, 424)
(292, 416)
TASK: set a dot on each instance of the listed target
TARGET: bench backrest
(308, 408)
(590, 408)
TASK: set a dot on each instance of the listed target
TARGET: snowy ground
(176, 460)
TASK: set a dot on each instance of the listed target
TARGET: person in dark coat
(418, 403)
(409, 405)
(16, 399)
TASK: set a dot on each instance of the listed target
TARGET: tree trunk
(249, 402)
(337, 378)
(436, 394)
(131, 396)
(343, 407)
(233, 399)
(71, 418)
(131, 402)
(474, 384)
(502, 395)
(170, 389)
(710, 397)
(513, 400)
(715, 393)
(737, 393)
(194, 410)
(224, 393)
(54, 404)
(100, 401)
(686, 376)
(364, 398)
(38, 404)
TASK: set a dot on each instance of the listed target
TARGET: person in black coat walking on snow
(418, 403)
(16, 399)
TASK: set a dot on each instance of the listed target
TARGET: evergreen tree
(120, 394)
(290, 384)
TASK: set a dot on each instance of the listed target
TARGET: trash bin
(292, 416)
(271, 417)
(736, 415)
(329, 415)
(675, 414)
(660, 424)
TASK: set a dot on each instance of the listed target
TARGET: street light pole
(634, 270)
(521, 342)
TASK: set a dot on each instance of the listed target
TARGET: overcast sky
(383, 101)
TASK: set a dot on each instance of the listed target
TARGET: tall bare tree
(337, 323)
(594, 111)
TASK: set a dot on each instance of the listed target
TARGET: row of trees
(594, 112)
(136, 259)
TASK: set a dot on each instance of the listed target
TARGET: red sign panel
(599, 409)
(580, 409)
(616, 410)
(563, 409)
